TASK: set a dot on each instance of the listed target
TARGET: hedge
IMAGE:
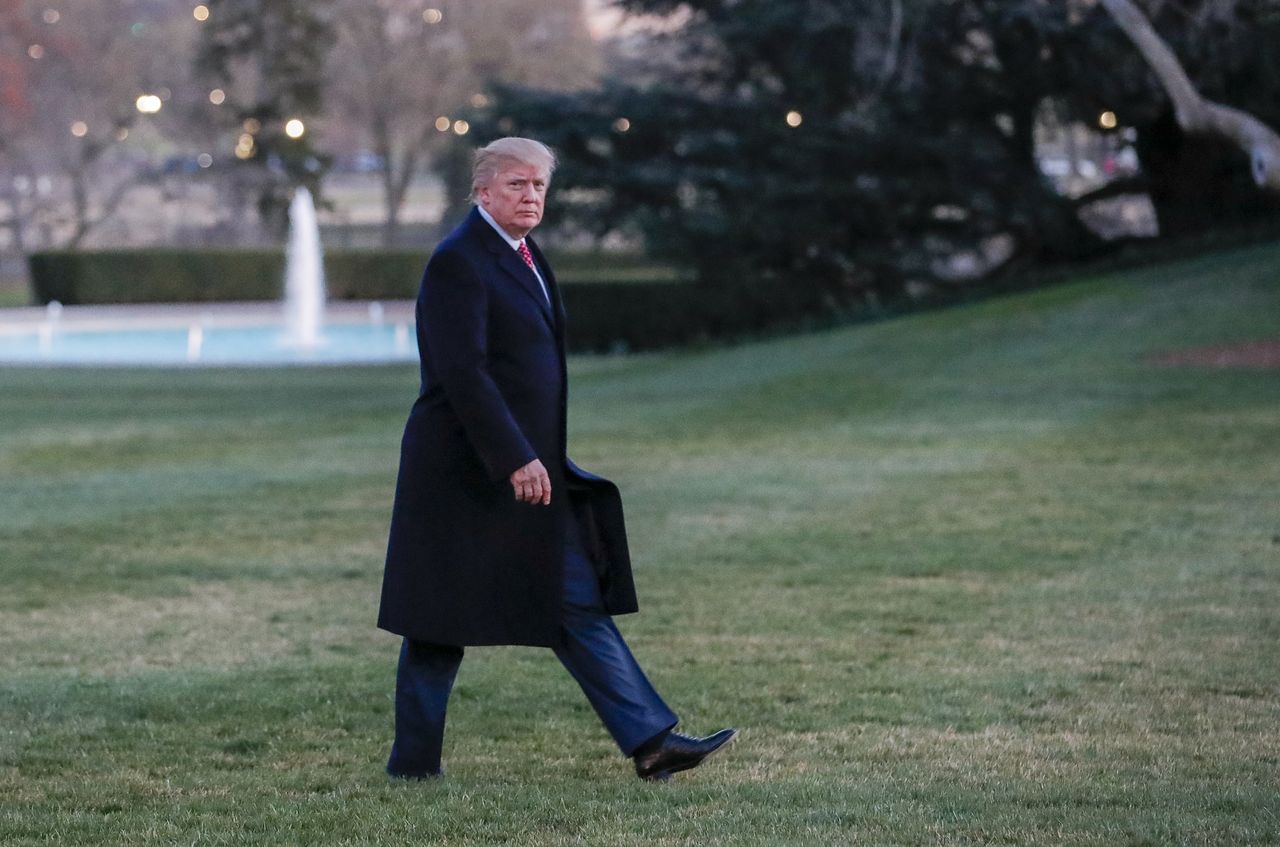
(206, 276)
(615, 302)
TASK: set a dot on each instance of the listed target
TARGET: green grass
(14, 292)
(976, 576)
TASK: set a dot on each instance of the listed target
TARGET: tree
(853, 144)
(859, 147)
(64, 122)
(1193, 112)
(1230, 52)
(403, 73)
(269, 57)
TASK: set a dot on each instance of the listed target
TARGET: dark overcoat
(466, 562)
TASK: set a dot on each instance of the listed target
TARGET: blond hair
(490, 158)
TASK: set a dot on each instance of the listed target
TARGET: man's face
(514, 198)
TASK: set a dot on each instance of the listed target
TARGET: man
(496, 536)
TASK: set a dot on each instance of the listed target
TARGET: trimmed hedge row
(211, 276)
(615, 302)
(204, 276)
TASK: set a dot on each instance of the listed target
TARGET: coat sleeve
(455, 314)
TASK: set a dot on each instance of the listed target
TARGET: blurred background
(865, 154)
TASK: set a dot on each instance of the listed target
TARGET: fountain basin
(204, 334)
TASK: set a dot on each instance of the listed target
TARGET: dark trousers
(590, 647)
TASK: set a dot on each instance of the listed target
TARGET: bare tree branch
(1194, 113)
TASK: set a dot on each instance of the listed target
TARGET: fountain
(304, 275)
(52, 312)
(306, 332)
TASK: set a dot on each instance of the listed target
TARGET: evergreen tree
(269, 57)
(857, 147)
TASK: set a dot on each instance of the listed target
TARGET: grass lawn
(976, 576)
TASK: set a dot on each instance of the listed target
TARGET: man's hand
(531, 484)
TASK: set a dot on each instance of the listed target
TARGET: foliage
(914, 143)
(69, 81)
(979, 576)
(270, 56)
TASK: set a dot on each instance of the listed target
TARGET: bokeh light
(294, 128)
(432, 16)
(461, 127)
(51, 16)
(35, 51)
(79, 129)
(622, 125)
(204, 160)
(1107, 120)
(217, 97)
(201, 13)
(149, 104)
(443, 123)
(794, 118)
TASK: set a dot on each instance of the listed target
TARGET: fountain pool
(203, 335)
(304, 329)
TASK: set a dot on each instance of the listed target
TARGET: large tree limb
(1194, 113)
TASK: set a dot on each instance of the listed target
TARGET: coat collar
(510, 262)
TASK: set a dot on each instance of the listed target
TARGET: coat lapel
(511, 263)
(553, 287)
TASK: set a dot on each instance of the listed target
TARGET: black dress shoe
(678, 752)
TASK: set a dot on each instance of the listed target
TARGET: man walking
(496, 536)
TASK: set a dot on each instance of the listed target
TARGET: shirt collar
(514, 243)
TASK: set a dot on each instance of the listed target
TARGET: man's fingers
(532, 484)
